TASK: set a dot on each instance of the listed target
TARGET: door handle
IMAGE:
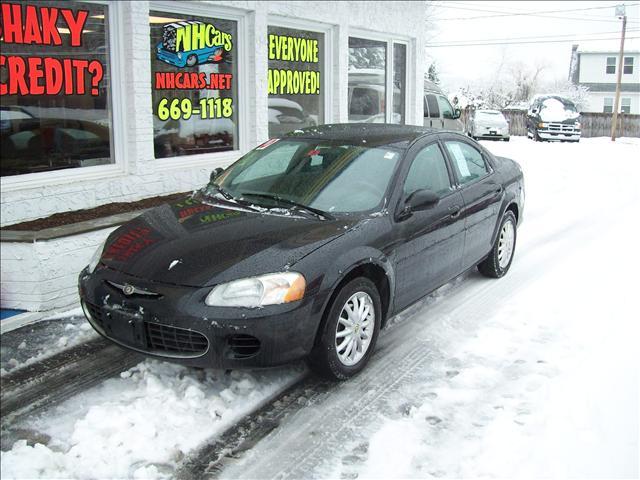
(498, 190)
(454, 211)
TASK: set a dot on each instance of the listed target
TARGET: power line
(525, 42)
(542, 13)
(535, 37)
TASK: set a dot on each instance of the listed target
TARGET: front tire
(497, 264)
(349, 333)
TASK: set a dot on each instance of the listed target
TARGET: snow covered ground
(34, 343)
(535, 375)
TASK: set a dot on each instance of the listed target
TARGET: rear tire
(328, 357)
(497, 264)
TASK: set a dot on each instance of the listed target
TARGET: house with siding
(598, 71)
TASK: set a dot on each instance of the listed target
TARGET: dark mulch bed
(76, 216)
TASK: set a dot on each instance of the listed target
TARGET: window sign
(194, 85)
(54, 86)
(294, 79)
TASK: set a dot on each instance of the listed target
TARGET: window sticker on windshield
(390, 155)
(461, 162)
(268, 143)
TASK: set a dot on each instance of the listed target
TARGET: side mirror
(421, 200)
(215, 174)
(534, 111)
(456, 113)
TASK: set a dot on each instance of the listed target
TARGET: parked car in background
(488, 124)
(286, 115)
(305, 247)
(367, 97)
(552, 117)
(438, 111)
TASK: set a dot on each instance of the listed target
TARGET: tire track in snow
(44, 384)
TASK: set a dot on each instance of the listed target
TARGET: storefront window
(295, 85)
(55, 105)
(399, 82)
(367, 80)
(194, 84)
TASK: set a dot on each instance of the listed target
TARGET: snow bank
(141, 424)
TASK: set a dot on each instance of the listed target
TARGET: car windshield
(325, 176)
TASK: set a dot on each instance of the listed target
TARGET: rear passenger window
(467, 161)
(432, 102)
(428, 171)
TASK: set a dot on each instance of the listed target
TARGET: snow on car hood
(554, 110)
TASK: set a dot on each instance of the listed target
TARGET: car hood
(193, 243)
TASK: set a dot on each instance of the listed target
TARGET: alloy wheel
(506, 244)
(354, 328)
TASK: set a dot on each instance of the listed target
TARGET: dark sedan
(304, 247)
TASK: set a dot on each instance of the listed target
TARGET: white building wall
(136, 173)
(593, 68)
(596, 101)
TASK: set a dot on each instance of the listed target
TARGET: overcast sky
(581, 22)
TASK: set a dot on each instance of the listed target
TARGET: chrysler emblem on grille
(128, 289)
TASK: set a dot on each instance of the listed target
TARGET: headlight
(271, 289)
(541, 125)
(96, 257)
(180, 55)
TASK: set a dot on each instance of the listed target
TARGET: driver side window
(445, 107)
(428, 171)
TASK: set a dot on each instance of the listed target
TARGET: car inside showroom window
(194, 84)
(55, 105)
(367, 80)
(295, 79)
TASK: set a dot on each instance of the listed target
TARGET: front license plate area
(126, 327)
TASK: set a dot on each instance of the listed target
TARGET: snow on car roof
(283, 102)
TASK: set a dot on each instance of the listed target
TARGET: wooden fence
(593, 124)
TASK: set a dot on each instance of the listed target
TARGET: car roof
(370, 134)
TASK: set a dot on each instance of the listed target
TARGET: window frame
(119, 129)
(412, 158)
(243, 67)
(326, 79)
(623, 106)
(605, 106)
(625, 65)
(607, 65)
(389, 39)
(485, 159)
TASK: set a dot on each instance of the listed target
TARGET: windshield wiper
(317, 212)
(221, 191)
(229, 197)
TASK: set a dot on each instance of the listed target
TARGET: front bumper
(173, 323)
(555, 135)
(497, 136)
